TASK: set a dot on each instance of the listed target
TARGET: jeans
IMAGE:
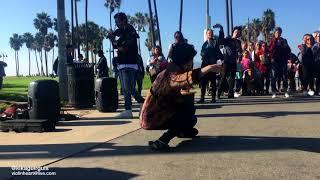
(229, 71)
(128, 81)
(279, 72)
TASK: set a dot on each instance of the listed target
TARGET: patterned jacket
(164, 98)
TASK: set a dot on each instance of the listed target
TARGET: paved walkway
(246, 138)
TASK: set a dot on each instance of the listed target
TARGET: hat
(182, 53)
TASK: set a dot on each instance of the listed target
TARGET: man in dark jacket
(233, 52)
(210, 53)
(127, 60)
(102, 69)
(316, 54)
(279, 50)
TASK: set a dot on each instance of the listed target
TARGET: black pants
(182, 121)
(317, 76)
(139, 80)
(1, 82)
(229, 72)
(266, 79)
(212, 78)
(279, 72)
(308, 79)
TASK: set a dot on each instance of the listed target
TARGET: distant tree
(16, 42)
(256, 28)
(42, 23)
(268, 23)
(39, 44)
(49, 44)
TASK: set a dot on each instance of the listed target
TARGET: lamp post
(181, 12)
(227, 17)
(151, 24)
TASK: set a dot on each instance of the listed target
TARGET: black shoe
(201, 101)
(188, 134)
(158, 145)
(213, 101)
(140, 101)
(230, 96)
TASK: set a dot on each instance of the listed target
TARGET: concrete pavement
(246, 138)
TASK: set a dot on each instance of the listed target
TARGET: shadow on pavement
(197, 145)
(76, 173)
(92, 123)
(265, 115)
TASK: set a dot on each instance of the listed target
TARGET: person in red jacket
(263, 64)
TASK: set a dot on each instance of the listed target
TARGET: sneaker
(127, 114)
(236, 95)
(286, 95)
(274, 96)
(311, 93)
(140, 100)
(201, 101)
(158, 145)
(213, 101)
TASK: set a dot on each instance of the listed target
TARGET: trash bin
(44, 100)
(81, 85)
(106, 94)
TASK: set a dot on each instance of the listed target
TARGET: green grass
(16, 88)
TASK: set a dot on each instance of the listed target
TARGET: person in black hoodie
(210, 53)
(316, 53)
(233, 53)
(102, 69)
(307, 61)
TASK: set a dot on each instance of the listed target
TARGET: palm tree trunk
(153, 42)
(35, 52)
(157, 22)
(15, 58)
(72, 24)
(77, 28)
(41, 63)
(62, 72)
(29, 62)
(46, 61)
(86, 19)
(52, 60)
(18, 62)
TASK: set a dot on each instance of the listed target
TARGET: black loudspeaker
(44, 100)
(107, 97)
(81, 85)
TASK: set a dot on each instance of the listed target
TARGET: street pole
(157, 19)
(151, 25)
(227, 17)
(181, 12)
(87, 44)
(231, 13)
(208, 20)
(62, 68)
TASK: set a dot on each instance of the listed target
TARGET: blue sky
(295, 17)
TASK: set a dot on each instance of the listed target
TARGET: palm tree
(16, 42)
(34, 48)
(39, 44)
(67, 30)
(139, 21)
(256, 28)
(268, 23)
(42, 23)
(28, 39)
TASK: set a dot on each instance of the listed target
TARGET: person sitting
(165, 107)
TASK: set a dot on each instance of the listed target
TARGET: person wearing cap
(165, 107)
(279, 52)
(2, 72)
(127, 61)
(102, 69)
